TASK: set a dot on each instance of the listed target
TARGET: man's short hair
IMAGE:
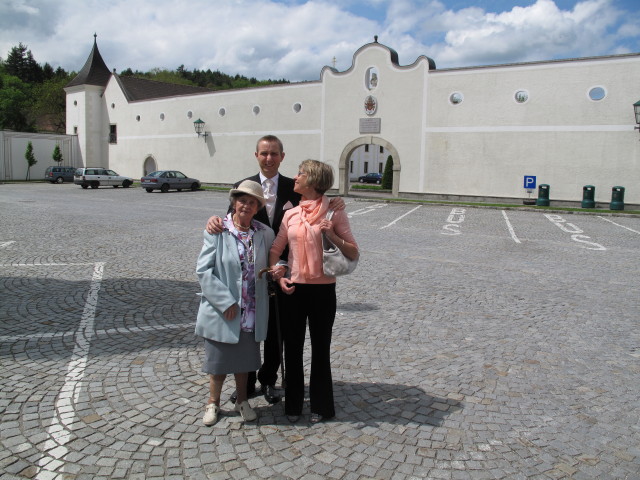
(269, 139)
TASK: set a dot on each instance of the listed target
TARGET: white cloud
(294, 39)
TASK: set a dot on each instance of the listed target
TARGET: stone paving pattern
(458, 353)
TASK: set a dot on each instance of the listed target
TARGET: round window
(456, 98)
(297, 107)
(138, 117)
(189, 114)
(222, 112)
(521, 96)
(597, 93)
(162, 116)
(256, 110)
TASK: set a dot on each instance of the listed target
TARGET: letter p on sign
(530, 181)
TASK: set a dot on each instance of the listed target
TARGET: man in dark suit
(278, 191)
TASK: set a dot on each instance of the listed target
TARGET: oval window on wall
(456, 98)
(371, 78)
(521, 96)
(297, 107)
(256, 110)
(162, 116)
(597, 93)
(189, 114)
(222, 112)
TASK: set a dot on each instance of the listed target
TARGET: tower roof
(94, 72)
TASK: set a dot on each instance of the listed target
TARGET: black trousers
(268, 373)
(315, 304)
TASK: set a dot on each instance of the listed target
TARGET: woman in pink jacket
(312, 293)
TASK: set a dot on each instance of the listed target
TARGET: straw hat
(249, 187)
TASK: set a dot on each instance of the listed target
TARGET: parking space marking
(454, 220)
(97, 333)
(64, 413)
(618, 225)
(401, 217)
(6, 244)
(576, 232)
(510, 227)
(365, 210)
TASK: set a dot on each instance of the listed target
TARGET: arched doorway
(149, 166)
(343, 165)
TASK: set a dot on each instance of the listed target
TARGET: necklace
(240, 227)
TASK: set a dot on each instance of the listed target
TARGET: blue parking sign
(530, 181)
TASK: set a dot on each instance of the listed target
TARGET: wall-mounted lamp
(199, 126)
(636, 109)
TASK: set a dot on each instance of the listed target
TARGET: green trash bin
(617, 198)
(588, 194)
(543, 196)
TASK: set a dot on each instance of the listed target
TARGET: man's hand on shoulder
(214, 225)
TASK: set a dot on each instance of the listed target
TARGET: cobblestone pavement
(470, 343)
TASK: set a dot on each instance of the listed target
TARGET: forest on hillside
(32, 97)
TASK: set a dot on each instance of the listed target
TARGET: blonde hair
(319, 175)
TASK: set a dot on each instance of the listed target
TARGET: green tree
(387, 176)
(15, 104)
(20, 63)
(49, 104)
(31, 159)
(57, 155)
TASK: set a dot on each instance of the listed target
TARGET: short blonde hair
(319, 175)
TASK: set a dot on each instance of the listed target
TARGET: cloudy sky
(294, 39)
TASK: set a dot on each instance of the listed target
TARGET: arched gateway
(343, 177)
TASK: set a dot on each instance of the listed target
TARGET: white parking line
(401, 217)
(618, 225)
(369, 209)
(64, 413)
(97, 333)
(5, 244)
(510, 227)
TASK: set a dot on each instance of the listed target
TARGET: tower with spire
(86, 109)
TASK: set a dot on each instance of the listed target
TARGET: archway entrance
(343, 165)
(149, 166)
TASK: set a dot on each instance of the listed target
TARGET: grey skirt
(224, 358)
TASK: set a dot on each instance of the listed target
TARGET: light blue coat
(220, 275)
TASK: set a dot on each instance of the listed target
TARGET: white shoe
(210, 414)
(244, 409)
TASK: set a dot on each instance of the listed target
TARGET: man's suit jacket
(285, 194)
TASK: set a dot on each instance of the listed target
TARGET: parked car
(96, 177)
(371, 178)
(59, 174)
(165, 180)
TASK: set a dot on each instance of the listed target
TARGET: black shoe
(251, 392)
(270, 394)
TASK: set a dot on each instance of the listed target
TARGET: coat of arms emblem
(370, 105)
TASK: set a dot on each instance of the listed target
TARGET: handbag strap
(329, 214)
(327, 244)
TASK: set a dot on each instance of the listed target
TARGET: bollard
(588, 193)
(617, 198)
(543, 196)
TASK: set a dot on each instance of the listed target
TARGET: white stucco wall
(482, 147)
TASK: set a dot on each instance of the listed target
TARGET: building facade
(463, 134)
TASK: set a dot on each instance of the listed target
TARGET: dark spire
(95, 71)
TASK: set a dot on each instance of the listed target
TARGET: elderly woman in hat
(234, 305)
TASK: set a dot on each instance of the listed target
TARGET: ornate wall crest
(370, 105)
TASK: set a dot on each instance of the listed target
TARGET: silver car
(96, 177)
(165, 180)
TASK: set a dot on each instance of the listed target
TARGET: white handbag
(334, 263)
